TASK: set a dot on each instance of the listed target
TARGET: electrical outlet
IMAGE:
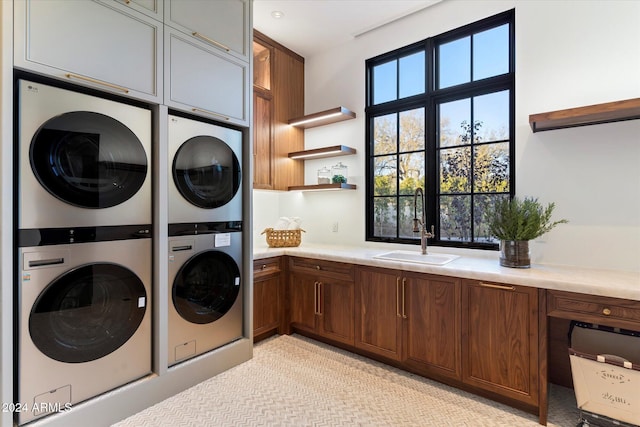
(334, 227)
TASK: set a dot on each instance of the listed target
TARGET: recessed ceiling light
(277, 14)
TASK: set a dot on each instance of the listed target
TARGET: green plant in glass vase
(516, 221)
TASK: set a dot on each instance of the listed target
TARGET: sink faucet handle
(432, 234)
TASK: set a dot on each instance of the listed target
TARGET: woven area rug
(296, 381)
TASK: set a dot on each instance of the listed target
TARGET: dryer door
(88, 159)
(206, 287)
(87, 313)
(206, 172)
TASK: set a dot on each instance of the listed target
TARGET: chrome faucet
(419, 224)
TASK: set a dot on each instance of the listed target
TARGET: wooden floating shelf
(321, 153)
(583, 116)
(323, 187)
(322, 118)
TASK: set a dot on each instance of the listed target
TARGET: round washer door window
(206, 172)
(206, 287)
(87, 313)
(88, 159)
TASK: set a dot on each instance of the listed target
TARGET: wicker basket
(283, 238)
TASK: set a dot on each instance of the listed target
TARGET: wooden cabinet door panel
(336, 311)
(267, 304)
(378, 317)
(262, 141)
(432, 324)
(302, 292)
(500, 324)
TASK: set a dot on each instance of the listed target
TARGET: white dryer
(84, 161)
(84, 322)
(206, 173)
(205, 291)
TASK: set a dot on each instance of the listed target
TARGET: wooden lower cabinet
(321, 296)
(500, 340)
(409, 317)
(267, 298)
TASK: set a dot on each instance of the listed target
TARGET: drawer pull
(503, 287)
(606, 311)
(195, 110)
(96, 81)
(210, 41)
(264, 266)
(317, 267)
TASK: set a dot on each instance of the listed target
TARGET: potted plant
(514, 222)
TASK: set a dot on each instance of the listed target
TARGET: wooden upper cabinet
(274, 141)
(500, 352)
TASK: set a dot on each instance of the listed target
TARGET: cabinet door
(203, 81)
(266, 304)
(223, 24)
(262, 140)
(336, 317)
(500, 339)
(431, 309)
(78, 40)
(378, 311)
(303, 302)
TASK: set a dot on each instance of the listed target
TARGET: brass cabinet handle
(96, 81)
(320, 298)
(398, 297)
(317, 267)
(264, 266)
(503, 287)
(210, 41)
(404, 284)
(606, 311)
(194, 109)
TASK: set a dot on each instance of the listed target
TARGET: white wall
(568, 54)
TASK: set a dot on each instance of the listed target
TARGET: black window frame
(430, 100)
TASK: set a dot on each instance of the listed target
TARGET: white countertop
(611, 283)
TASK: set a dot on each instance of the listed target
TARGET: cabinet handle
(264, 266)
(606, 311)
(503, 287)
(210, 41)
(318, 267)
(320, 298)
(404, 283)
(194, 109)
(315, 297)
(398, 297)
(96, 81)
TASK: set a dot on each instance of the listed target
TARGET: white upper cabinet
(204, 81)
(223, 24)
(96, 44)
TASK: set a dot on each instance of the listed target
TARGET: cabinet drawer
(336, 270)
(265, 267)
(594, 309)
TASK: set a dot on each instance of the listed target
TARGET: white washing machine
(206, 173)
(84, 322)
(84, 161)
(205, 291)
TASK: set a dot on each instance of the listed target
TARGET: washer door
(206, 287)
(206, 172)
(87, 313)
(88, 159)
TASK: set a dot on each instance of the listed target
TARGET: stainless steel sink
(417, 257)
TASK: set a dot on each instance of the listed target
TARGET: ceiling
(309, 27)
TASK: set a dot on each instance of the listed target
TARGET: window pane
(491, 168)
(384, 213)
(412, 76)
(492, 113)
(412, 130)
(455, 170)
(385, 176)
(385, 80)
(455, 218)
(455, 62)
(405, 221)
(385, 131)
(480, 230)
(491, 52)
(411, 172)
(454, 123)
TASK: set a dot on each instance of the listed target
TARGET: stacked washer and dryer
(84, 247)
(205, 237)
